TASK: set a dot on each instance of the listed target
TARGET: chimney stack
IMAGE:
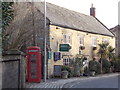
(92, 10)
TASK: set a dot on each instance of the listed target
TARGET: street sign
(64, 47)
(49, 54)
(57, 56)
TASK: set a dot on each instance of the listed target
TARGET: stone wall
(13, 69)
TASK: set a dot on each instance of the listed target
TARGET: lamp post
(45, 52)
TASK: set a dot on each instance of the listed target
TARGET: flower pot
(82, 47)
(94, 48)
(92, 73)
(64, 74)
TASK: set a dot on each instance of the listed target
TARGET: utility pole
(33, 22)
(45, 52)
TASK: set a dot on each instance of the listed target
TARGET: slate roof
(67, 18)
(114, 29)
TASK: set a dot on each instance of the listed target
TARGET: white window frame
(67, 39)
(94, 41)
(105, 40)
(66, 61)
(81, 40)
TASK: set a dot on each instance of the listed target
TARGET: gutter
(68, 27)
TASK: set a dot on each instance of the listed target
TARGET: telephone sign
(33, 64)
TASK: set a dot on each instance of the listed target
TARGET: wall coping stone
(13, 52)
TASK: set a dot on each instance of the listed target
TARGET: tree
(111, 54)
(6, 18)
(103, 50)
(18, 34)
(106, 52)
(7, 13)
(77, 64)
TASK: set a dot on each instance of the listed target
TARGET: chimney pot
(92, 10)
(92, 5)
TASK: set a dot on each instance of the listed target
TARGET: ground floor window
(66, 61)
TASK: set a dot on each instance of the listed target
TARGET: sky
(106, 10)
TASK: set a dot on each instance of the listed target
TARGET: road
(111, 81)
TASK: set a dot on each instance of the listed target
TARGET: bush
(69, 69)
(117, 65)
(86, 71)
(106, 66)
(94, 66)
(76, 70)
(98, 70)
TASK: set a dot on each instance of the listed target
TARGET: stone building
(116, 31)
(79, 32)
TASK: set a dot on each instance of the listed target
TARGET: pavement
(63, 83)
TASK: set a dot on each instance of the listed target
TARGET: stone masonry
(13, 69)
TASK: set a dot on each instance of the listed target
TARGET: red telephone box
(33, 64)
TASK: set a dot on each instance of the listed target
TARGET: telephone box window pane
(33, 50)
(33, 61)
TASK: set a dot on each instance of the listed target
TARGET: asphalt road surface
(111, 82)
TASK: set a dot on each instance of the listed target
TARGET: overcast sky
(106, 10)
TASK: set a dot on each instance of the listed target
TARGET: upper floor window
(67, 38)
(105, 40)
(94, 41)
(81, 39)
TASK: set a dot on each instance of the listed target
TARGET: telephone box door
(33, 64)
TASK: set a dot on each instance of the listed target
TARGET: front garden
(81, 66)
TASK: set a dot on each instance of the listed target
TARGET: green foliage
(77, 64)
(0, 14)
(106, 66)
(94, 66)
(111, 54)
(117, 65)
(7, 13)
(106, 51)
(77, 61)
(67, 68)
(103, 50)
